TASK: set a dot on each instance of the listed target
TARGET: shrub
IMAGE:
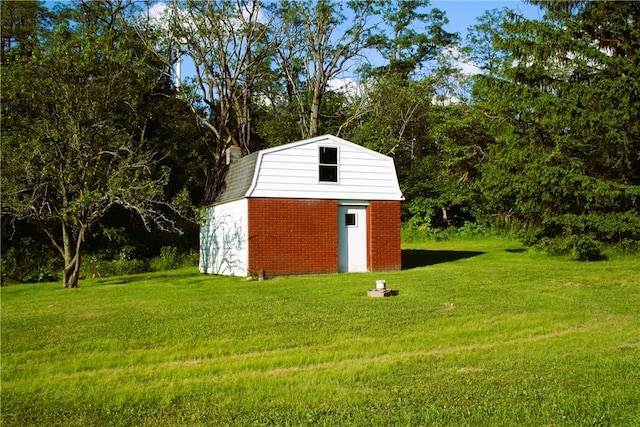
(582, 248)
(628, 247)
(171, 258)
(98, 265)
(469, 230)
(29, 261)
(552, 246)
(587, 249)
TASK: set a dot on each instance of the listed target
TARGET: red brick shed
(321, 205)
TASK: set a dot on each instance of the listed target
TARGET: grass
(481, 333)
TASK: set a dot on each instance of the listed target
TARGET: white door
(352, 238)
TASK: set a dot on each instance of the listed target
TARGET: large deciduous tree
(228, 44)
(74, 137)
(564, 105)
(316, 44)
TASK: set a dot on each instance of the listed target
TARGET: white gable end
(292, 171)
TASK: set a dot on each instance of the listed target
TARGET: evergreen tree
(564, 106)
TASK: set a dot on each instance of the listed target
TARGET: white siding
(224, 239)
(291, 171)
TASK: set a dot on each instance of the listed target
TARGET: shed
(320, 205)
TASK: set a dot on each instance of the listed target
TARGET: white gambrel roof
(291, 171)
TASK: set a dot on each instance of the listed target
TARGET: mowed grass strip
(480, 334)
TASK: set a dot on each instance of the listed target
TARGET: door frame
(362, 234)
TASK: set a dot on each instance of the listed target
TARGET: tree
(75, 131)
(315, 45)
(564, 106)
(415, 118)
(405, 49)
(229, 45)
(483, 39)
(22, 23)
(437, 148)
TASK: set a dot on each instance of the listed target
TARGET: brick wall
(300, 236)
(293, 236)
(384, 235)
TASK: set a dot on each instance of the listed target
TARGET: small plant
(99, 265)
(469, 230)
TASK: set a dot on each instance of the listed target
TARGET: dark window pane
(328, 173)
(350, 219)
(328, 156)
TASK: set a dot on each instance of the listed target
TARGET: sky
(463, 13)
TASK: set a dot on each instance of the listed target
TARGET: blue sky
(463, 13)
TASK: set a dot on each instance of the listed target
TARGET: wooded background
(103, 144)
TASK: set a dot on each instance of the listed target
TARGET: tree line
(103, 141)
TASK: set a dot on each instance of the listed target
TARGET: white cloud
(460, 60)
(346, 85)
(157, 10)
(343, 84)
(158, 15)
(468, 68)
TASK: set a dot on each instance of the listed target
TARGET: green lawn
(480, 334)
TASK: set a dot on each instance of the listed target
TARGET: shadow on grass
(412, 258)
(143, 277)
(516, 251)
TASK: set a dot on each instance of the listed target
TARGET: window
(350, 220)
(328, 171)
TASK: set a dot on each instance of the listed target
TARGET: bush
(552, 246)
(169, 259)
(587, 249)
(98, 265)
(582, 248)
(469, 230)
(628, 247)
(30, 261)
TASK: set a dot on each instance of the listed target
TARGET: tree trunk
(315, 110)
(71, 246)
(445, 214)
(71, 275)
